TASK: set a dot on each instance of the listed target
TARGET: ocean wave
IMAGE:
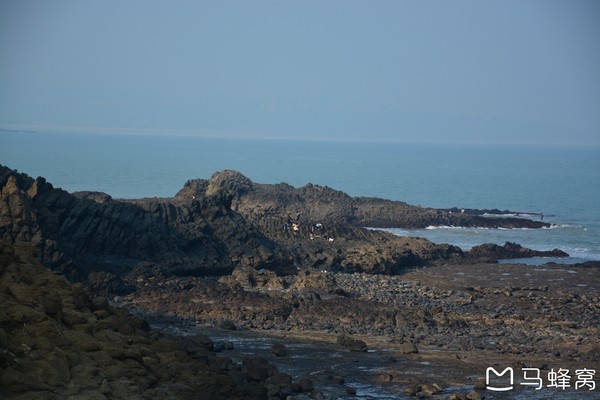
(433, 227)
(476, 228)
(501, 228)
(472, 228)
(565, 226)
(543, 240)
(516, 215)
(582, 253)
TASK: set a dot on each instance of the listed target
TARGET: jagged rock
(353, 344)
(212, 227)
(198, 344)
(480, 383)
(408, 348)
(305, 384)
(316, 280)
(249, 278)
(65, 352)
(98, 197)
(510, 250)
(279, 385)
(228, 325)
(114, 236)
(412, 390)
(430, 389)
(279, 350)
(258, 368)
(474, 395)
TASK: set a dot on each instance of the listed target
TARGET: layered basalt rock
(323, 204)
(96, 233)
(213, 226)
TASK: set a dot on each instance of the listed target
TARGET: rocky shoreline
(233, 258)
(449, 322)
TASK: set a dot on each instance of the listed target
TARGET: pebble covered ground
(447, 322)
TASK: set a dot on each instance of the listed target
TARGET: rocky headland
(233, 255)
(213, 226)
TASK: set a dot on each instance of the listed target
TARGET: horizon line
(47, 128)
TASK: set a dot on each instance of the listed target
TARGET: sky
(415, 71)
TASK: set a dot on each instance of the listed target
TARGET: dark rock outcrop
(507, 308)
(58, 341)
(509, 250)
(328, 206)
(214, 226)
(91, 236)
(99, 234)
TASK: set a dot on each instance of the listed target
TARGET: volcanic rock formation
(213, 226)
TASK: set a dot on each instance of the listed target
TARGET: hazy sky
(489, 71)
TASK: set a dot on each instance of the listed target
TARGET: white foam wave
(501, 228)
(564, 226)
(475, 228)
(461, 228)
(431, 227)
(500, 215)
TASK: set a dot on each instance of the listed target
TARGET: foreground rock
(508, 309)
(447, 323)
(57, 341)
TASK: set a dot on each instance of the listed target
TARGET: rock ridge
(213, 226)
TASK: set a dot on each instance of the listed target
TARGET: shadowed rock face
(58, 341)
(202, 236)
(213, 226)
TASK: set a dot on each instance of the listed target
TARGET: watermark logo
(489, 379)
(560, 379)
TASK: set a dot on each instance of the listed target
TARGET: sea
(560, 182)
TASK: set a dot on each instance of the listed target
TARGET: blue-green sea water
(561, 182)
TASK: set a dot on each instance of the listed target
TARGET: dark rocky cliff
(326, 205)
(179, 238)
(215, 225)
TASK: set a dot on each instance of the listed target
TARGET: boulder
(317, 280)
(279, 350)
(351, 343)
(408, 348)
(257, 368)
(305, 384)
